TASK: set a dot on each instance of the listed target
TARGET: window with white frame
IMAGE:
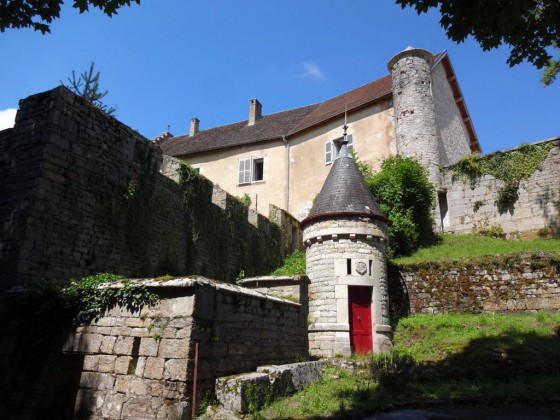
(250, 170)
(330, 149)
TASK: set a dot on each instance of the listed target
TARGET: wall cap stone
(192, 282)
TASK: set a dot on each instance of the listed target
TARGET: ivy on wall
(511, 167)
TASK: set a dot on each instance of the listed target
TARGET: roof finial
(340, 143)
(345, 127)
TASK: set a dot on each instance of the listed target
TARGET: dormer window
(330, 149)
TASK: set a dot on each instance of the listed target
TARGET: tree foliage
(39, 14)
(530, 27)
(404, 194)
(87, 86)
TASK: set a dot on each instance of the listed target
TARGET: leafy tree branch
(531, 28)
(39, 14)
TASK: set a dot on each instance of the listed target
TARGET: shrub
(404, 194)
(393, 371)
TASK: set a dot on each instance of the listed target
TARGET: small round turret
(345, 236)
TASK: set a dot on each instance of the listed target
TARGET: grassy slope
(450, 248)
(486, 358)
(458, 247)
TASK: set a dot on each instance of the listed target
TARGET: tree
(530, 27)
(39, 14)
(87, 86)
(404, 194)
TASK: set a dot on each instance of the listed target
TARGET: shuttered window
(244, 171)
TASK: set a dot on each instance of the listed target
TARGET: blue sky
(167, 61)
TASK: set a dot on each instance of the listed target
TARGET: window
(250, 170)
(330, 149)
(329, 146)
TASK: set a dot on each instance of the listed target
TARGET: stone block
(91, 363)
(137, 408)
(123, 346)
(121, 365)
(173, 349)
(107, 344)
(82, 343)
(106, 363)
(177, 409)
(292, 377)
(113, 405)
(176, 370)
(154, 368)
(148, 346)
(140, 365)
(243, 392)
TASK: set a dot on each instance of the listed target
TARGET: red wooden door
(359, 302)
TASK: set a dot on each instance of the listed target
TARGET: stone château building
(284, 158)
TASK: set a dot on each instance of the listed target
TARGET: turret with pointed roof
(345, 235)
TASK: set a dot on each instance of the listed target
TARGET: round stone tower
(413, 105)
(345, 236)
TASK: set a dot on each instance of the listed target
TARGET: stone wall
(129, 365)
(502, 283)
(537, 208)
(453, 138)
(81, 193)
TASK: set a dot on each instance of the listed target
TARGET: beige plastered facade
(295, 168)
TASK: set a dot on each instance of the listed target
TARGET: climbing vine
(511, 167)
(88, 300)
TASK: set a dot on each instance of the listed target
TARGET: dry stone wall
(81, 193)
(130, 365)
(510, 283)
(473, 207)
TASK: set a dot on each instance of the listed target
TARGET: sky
(167, 61)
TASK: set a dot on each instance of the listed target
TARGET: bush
(393, 371)
(406, 197)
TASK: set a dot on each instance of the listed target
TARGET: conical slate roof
(344, 193)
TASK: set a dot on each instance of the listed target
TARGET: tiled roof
(272, 126)
(286, 123)
(344, 193)
(353, 99)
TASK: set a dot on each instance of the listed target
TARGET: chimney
(255, 109)
(194, 126)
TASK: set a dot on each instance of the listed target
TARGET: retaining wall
(502, 283)
(129, 365)
(536, 209)
(81, 193)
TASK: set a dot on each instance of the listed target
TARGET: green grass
(482, 359)
(451, 247)
(454, 247)
(293, 265)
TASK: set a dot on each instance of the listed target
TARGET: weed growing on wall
(510, 166)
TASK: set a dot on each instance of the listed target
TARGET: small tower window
(348, 266)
